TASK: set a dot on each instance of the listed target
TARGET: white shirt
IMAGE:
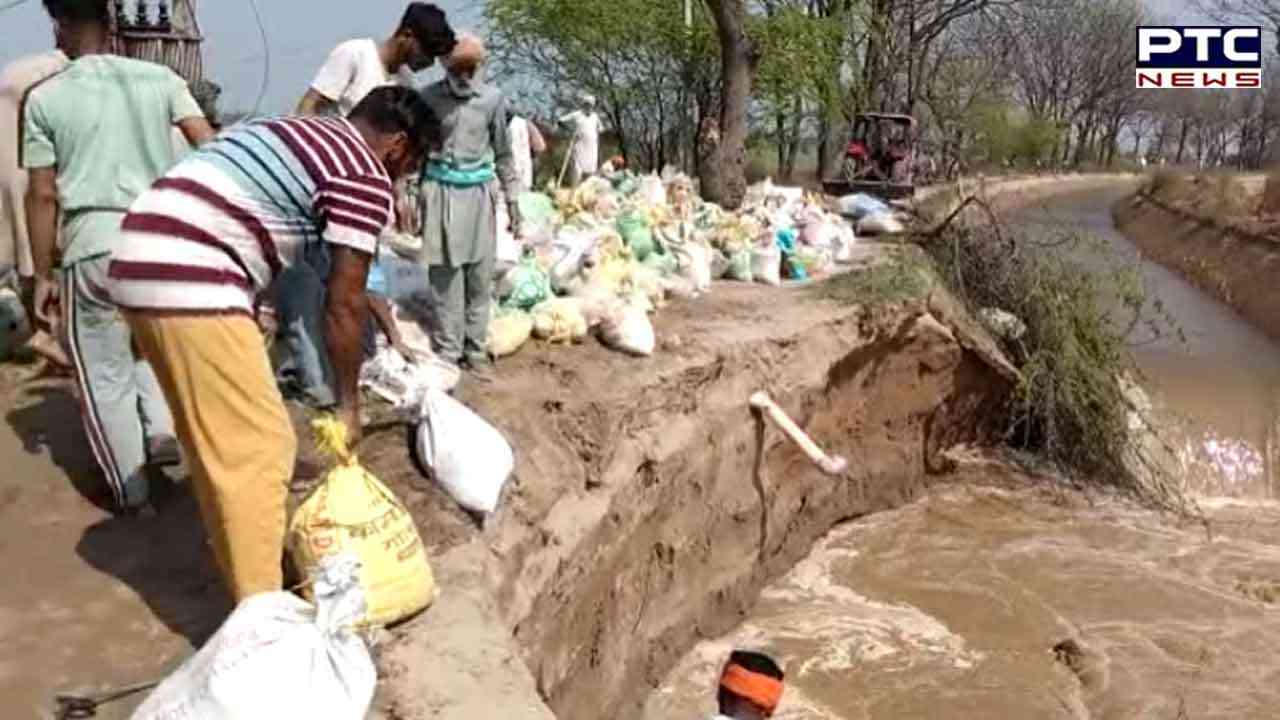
(587, 126)
(353, 69)
(521, 152)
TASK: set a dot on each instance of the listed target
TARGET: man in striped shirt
(198, 250)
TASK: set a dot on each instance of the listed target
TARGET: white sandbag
(861, 205)
(719, 265)
(766, 264)
(652, 191)
(406, 245)
(569, 253)
(695, 265)
(630, 331)
(393, 378)
(846, 239)
(278, 656)
(466, 455)
(882, 224)
(597, 301)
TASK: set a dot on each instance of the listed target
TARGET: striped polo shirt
(217, 229)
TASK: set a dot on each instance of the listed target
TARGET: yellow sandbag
(508, 331)
(353, 512)
(559, 320)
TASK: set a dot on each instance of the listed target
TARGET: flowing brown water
(952, 607)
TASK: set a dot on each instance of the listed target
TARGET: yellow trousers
(235, 433)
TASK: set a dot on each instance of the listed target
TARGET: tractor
(879, 158)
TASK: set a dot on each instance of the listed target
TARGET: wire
(266, 60)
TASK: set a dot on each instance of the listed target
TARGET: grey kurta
(460, 223)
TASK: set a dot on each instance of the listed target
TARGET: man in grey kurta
(463, 182)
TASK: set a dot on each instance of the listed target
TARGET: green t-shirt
(105, 122)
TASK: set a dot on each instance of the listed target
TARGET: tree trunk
(724, 179)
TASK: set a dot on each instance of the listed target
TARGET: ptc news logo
(1199, 57)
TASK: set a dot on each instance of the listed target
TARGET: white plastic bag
(278, 656)
(468, 456)
(846, 239)
(630, 331)
(766, 264)
(882, 224)
(652, 192)
(393, 378)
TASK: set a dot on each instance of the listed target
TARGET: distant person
(527, 144)
(585, 124)
(95, 136)
(750, 687)
(204, 243)
(16, 79)
(463, 180)
(357, 66)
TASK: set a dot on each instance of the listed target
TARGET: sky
(300, 34)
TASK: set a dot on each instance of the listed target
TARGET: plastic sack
(466, 455)
(719, 264)
(393, 378)
(766, 264)
(860, 205)
(635, 232)
(408, 246)
(596, 302)
(740, 265)
(663, 262)
(569, 252)
(845, 242)
(629, 330)
(536, 209)
(525, 285)
(695, 265)
(559, 320)
(278, 656)
(882, 224)
(509, 330)
(652, 190)
(353, 512)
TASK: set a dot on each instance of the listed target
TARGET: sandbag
(278, 656)
(882, 224)
(766, 264)
(596, 302)
(536, 209)
(664, 262)
(395, 379)
(719, 264)
(695, 265)
(352, 512)
(525, 285)
(652, 190)
(860, 205)
(559, 320)
(636, 233)
(740, 264)
(466, 455)
(509, 330)
(629, 330)
(845, 242)
(568, 253)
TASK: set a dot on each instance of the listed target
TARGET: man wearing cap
(750, 687)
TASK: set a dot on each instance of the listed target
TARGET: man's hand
(46, 302)
(513, 212)
(405, 351)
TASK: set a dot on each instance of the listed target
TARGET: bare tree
(724, 179)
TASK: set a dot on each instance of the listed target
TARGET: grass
(903, 275)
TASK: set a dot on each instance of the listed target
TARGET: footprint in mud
(1090, 667)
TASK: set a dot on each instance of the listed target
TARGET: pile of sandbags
(623, 246)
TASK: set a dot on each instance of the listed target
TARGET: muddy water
(1215, 387)
(952, 607)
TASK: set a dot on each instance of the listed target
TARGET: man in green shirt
(94, 136)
